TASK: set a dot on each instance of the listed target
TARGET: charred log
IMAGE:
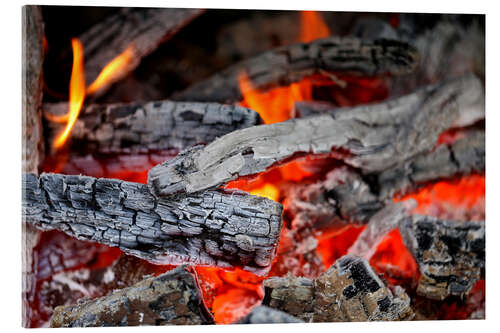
(349, 291)
(139, 128)
(141, 29)
(32, 136)
(288, 64)
(170, 298)
(450, 254)
(374, 137)
(211, 228)
(266, 315)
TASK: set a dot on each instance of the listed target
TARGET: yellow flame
(76, 92)
(112, 71)
(268, 190)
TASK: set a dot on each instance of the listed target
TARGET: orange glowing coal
(267, 191)
(113, 71)
(76, 92)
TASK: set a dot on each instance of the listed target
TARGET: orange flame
(112, 71)
(109, 74)
(76, 92)
(312, 26)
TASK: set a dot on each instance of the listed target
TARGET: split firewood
(172, 298)
(288, 64)
(214, 228)
(450, 254)
(135, 32)
(32, 145)
(161, 125)
(266, 315)
(371, 138)
(349, 290)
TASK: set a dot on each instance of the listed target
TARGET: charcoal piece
(288, 64)
(212, 228)
(349, 290)
(172, 298)
(291, 294)
(373, 138)
(266, 315)
(450, 254)
(144, 127)
(143, 29)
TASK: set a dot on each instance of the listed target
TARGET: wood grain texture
(450, 254)
(288, 64)
(372, 138)
(32, 132)
(215, 228)
(144, 127)
(172, 298)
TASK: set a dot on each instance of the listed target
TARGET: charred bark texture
(371, 138)
(32, 145)
(143, 29)
(450, 254)
(266, 315)
(172, 298)
(162, 125)
(349, 291)
(288, 64)
(224, 229)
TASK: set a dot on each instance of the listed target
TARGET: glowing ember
(267, 191)
(312, 26)
(76, 92)
(112, 71)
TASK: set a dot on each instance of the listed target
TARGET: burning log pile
(319, 181)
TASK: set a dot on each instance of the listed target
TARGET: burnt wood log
(172, 298)
(266, 315)
(288, 64)
(371, 138)
(349, 290)
(142, 29)
(214, 228)
(32, 134)
(346, 197)
(450, 254)
(153, 126)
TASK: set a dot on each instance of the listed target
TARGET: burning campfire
(332, 171)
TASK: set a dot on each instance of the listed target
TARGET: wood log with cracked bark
(139, 30)
(153, 126)
(345, 197)
(288, 64)
(172, 298)
(371, 138)
(32, 145)
(349, 290)
(215, 228)
(450, 254)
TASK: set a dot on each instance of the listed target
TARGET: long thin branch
(289, 64)
(375, 137)
(210, 228)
